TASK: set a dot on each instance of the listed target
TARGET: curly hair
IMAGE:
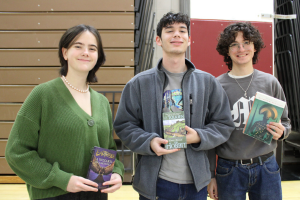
(229, 34)
(68, 39)
(171, 18)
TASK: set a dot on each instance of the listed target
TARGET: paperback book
(101, 166)
(265, 109)
(174, 130)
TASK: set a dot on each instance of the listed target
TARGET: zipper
(191, 106)
(162, 130)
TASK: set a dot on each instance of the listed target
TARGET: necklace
(75, 88)
(245, 94)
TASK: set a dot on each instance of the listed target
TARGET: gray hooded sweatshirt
(139, 120)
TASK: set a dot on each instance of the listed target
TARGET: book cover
(265, 109)
(174, 130)
(101, 166)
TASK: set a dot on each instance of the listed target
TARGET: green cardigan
(51, 139)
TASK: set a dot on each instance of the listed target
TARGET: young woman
(50, 144)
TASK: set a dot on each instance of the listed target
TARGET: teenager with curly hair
(246, 164)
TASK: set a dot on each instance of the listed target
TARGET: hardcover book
(265, 109)
(101, 166)
(174, 130)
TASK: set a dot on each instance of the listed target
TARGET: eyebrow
(83, 44)
(170, 26)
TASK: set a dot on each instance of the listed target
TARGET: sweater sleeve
(21, 150)
(285, 121)
(128, 124)
(218, 123)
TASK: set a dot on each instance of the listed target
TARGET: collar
(162, 75)
(189, 64)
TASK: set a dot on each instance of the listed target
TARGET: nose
(85, 51)
(177, 33)
(241, 47)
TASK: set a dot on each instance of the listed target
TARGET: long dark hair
(67, 40)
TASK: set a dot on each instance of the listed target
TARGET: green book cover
(265, 109)
(174, 130)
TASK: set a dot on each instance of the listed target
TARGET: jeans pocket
(271, 166)
(224, 169)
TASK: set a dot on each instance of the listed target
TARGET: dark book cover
(265, 109)
(174, 130)
(101, 166)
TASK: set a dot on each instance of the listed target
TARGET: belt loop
(236, 163)
(260, 162)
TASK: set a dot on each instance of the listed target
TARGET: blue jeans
(166, 190)
(262, 181)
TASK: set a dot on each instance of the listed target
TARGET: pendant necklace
(245, 94)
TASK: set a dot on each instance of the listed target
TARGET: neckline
(242, 78)
(180, 74)
(69, 99)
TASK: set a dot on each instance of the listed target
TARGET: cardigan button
(90, 122)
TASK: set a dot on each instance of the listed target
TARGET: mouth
(240, 56)
(176, 43)
(83, 60)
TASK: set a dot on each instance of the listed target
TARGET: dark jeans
(80, 196)
(261, 180)
(166, 190)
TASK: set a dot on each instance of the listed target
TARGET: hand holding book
(276, 129)
(192, 137)
(115, 182)
(78, 184)
(265, 109)
(156, 146)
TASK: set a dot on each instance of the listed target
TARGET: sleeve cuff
(119, 171)
(282, 136)
(61, 179)
(212, 174)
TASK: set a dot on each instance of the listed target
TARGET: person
(50, 143)
(244, 163)
(173, 174)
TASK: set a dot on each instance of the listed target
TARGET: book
(174, 130)
(265, 109)
(101, 166)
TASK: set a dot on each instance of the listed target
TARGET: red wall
(204, 34)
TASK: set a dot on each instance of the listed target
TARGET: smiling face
(174, 39)
(82, 55)
(242, 56)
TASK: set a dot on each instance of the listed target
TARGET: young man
(246, 164)
(173, 85)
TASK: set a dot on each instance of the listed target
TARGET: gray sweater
(139, 120)
(239, 145)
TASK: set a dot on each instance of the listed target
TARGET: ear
(189, 41)
(158, 41)
(64, 52)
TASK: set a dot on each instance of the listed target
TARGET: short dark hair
(67, 40)
(229, 35)
(171, 18)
